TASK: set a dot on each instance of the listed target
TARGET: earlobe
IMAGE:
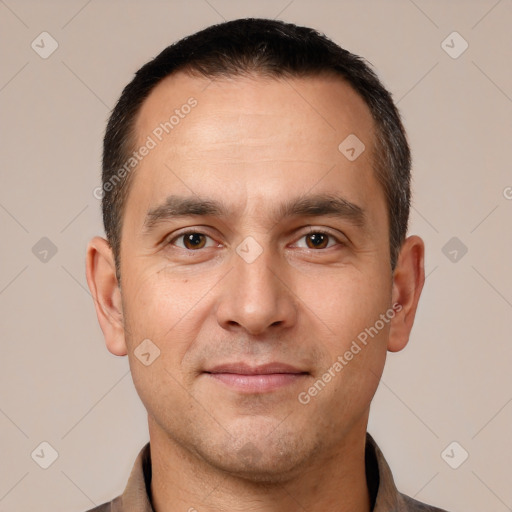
(408, 280)
(102, 281)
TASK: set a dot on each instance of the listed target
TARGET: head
(256, 181)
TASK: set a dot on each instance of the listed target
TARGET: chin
(261, 460)
(271, 471)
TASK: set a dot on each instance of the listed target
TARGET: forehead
(252, 139)
(319, 109)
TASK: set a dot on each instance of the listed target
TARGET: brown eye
(192, 240)
(317, 240)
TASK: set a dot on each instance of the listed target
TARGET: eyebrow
(303, 206)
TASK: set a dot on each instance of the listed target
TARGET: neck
(184, 481)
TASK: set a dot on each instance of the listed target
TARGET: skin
(253, 144)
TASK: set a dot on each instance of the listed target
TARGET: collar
(383, 492)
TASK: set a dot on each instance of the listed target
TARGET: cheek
(156, 298)
(157, 308)
(346, 301)
(168, 309)
(350, 308)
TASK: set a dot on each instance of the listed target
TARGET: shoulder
(110, 506)
(412, 505)
(101, 508)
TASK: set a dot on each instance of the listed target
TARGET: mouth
(244, 378)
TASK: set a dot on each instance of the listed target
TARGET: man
(255, 200)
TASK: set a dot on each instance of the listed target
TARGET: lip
(256, 379)
(246, 369)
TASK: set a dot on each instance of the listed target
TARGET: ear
(408, 280)
(106, 293)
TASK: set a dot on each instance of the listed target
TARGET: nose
(256, 296)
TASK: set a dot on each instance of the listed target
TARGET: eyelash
(312, 232)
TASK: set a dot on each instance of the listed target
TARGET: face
(254, 255)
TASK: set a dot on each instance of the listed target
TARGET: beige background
(58, 382)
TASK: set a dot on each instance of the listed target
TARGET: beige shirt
(383, 492)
